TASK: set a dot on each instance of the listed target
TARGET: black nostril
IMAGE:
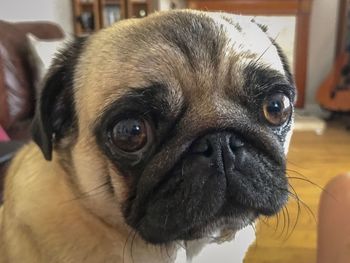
(235, 143)
(209, 151)
(213, 144)
(202, 146)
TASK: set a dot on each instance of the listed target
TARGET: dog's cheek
(92, 180)
(123, 186)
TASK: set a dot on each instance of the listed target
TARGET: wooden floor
(317, 158)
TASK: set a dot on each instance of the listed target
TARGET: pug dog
(151, 136)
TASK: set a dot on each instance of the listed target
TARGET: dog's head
(176, 124)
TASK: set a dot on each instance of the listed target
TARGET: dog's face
(176, 124)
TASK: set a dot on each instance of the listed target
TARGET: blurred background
(314, 34)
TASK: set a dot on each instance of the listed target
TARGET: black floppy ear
(55, 114)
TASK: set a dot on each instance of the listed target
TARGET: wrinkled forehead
(246, 37)
(187, 50)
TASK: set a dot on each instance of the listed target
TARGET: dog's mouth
(219, 188)
(182, 224)
(184, 209)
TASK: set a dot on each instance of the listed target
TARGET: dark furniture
(18, 76)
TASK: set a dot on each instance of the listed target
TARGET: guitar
(334, 92)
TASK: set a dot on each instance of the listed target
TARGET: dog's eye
(130, 135)
(277, 109)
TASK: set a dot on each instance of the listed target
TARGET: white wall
(323, 33)
(58, 11)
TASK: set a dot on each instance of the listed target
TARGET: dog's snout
(217, 144)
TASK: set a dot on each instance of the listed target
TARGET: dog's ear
(55, 114)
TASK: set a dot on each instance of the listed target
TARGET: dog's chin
(232, 221)
(219, 225)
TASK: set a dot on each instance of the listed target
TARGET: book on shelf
(111, 14)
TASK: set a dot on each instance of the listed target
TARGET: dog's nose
(217, 144)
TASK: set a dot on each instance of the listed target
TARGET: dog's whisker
(298, 214)
(181, 245)
(166, 217)
(252, 225)
(284, 222)
(264, 220)
(284, 227)
(323, 190)
(289, 221)
(277, 222)
(88, 193)
(265, 51)
(296, 197)
(132, 245)
(298, 173)
(299, 202)
(167, 251)
(126, 243)
(280, 225)
(294, 164)
(306, 179)
(288, 229)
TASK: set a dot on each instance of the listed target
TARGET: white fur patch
(251, 40)
(228, 252)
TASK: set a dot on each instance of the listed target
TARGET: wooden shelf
(86, 17)
(86, 4)
(138, 1)
(138, 8)
(97, 14)
(111, 2)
